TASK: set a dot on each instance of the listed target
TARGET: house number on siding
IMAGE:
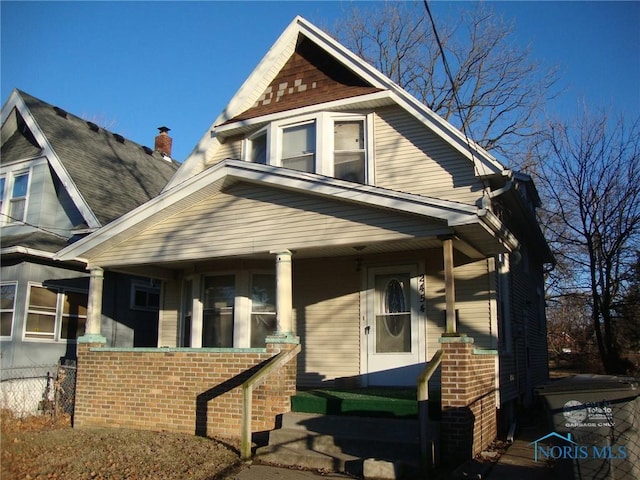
(421, 291)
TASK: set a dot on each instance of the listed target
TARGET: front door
(392, 327)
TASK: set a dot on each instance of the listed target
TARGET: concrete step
(391, 429)
(343, 443)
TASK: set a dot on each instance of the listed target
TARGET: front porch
(203, 392)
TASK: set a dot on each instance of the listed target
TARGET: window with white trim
(145, 297)
(14, 187)
(338, 145)
(349, 151)
(257, 148)
(218, 310)
(7, 308)
(263, 308)
(299, 147)
(55, 314)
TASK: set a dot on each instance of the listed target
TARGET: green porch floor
(365, 402)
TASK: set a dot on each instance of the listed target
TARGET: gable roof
(305, 48)
(105, 174)
(477, 227)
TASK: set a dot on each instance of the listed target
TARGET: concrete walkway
(518, 462)
(266, 472)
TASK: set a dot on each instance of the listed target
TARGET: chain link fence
(36, 390)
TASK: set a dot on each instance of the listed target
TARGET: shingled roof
(113, 174)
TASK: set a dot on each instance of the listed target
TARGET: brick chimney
(163, 142)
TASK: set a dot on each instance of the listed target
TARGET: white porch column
(284, 293)
(449, 285)
(94, 306)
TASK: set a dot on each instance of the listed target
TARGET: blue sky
(135, 66)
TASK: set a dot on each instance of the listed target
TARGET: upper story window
(14, 187)
(349, 152)
(257, 148)
(299, 147)
(337, 145)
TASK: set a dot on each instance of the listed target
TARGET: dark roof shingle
(113, 174)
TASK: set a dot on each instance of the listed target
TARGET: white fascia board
(47, 150)
(307, 183)
(451, 212)
(229, 129)
(244, 97)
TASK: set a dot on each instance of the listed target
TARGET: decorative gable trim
(16, 101)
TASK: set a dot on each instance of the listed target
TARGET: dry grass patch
(44, 448)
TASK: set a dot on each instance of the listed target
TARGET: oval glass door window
(393, 318)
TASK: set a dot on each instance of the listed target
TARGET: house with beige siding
(327, 207)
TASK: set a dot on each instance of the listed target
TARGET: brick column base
(468, 399)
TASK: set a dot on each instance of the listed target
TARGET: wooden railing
(427, 453)
(256, 379)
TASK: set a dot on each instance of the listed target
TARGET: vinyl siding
(248, 219)
(411, 158)
(475, 291)
(169, 314)
(327, 305)
(231, 148)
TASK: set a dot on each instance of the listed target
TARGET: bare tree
(590, 173)
(500, 88)
(570, 334)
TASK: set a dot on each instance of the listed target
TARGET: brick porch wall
(178, 390)
(469, 422)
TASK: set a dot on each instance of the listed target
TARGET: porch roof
(366, 217)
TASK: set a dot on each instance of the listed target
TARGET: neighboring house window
(7, 306)
(14, 187)
(263, 308)
(145, 297)
(55, 314)
(331, 144)
(218, 302)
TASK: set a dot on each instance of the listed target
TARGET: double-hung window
(7, 307)
(349, 152)
(55, 314)
(336, 145)
(299, 147)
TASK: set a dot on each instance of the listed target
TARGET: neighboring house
(386, 228)
(61, 178)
